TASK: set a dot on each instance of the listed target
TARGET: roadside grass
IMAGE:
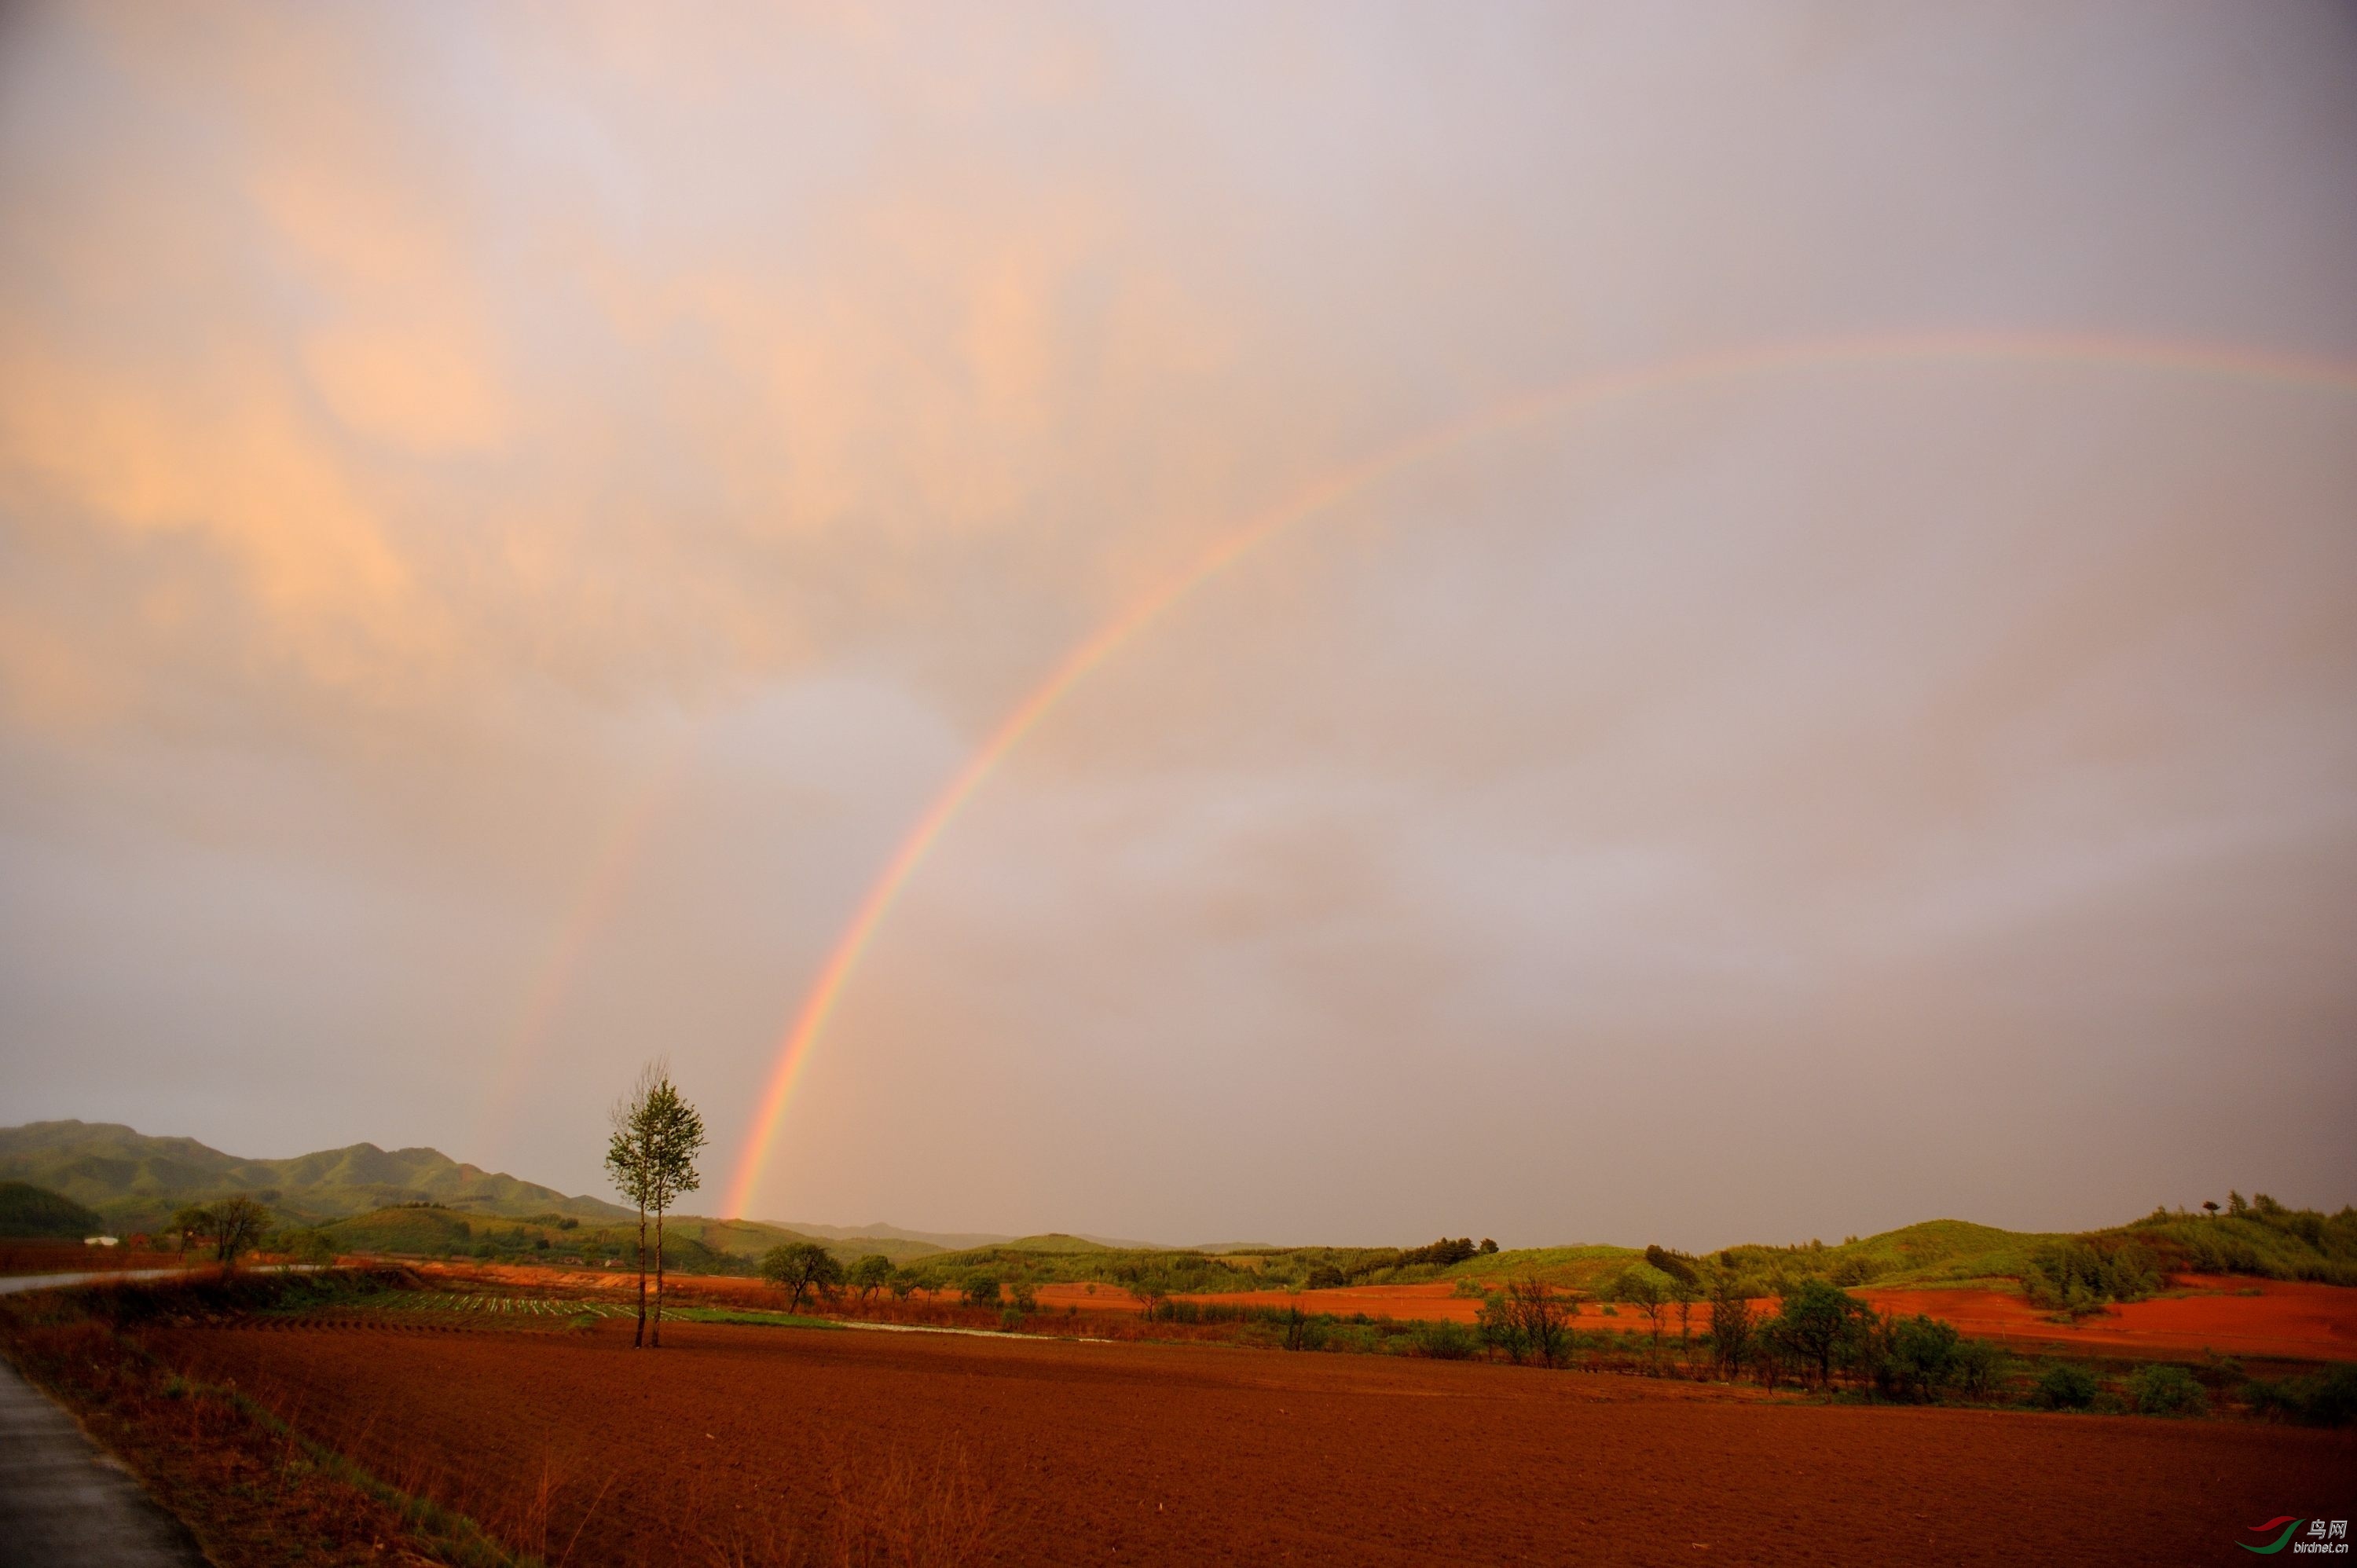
(252, 1488)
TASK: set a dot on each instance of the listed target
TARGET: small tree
(656, 1135)
(1923, 1356)
(1817, 1322)
(1684, 1291)
(799, 1268)
(870, 1274)
(1730, 1323)
(238, 1225)
(193, 1222)
(1542, 1317)
(1647, 1289)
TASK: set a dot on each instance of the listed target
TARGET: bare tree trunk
(658, 1278)
(639, 1337)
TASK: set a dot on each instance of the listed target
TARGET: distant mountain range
(135, 1180)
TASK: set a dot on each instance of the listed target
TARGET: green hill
(26, 1210)
(136, 1181)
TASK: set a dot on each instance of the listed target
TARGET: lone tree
(652, 1157)
(1543, 1317)
(1647, 1290)
(799, 1268)
(238, 1224)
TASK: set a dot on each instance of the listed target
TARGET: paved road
(63, 1502)
(11, 1283)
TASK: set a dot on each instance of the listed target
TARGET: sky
(1703, 623)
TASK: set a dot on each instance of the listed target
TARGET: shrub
(2065, 1386)
(1026, 1298)
(1444, 1341)
(981, 1290)
(2166, 1391)
(2329, 1400)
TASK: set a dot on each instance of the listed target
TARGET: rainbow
(2231, 362)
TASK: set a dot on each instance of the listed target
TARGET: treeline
(1156, 1274)
(2257, 1236)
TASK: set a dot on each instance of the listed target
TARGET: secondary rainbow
(2229, 361)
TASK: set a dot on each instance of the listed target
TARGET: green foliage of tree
(2065, 1386)
(981, 1290)
(870, 1274)
(2163, 1389)
(2328, 1398)
(2076, 1279)
(1441, 1253)
(799, 1268)
(655, 1135)
(1647, 1289)
(190, 1224)
(1730, 1322)
(1979, 1366)
(1444, 1341)
(1921, 1357)
(1818, 1325)
(1674, 1265)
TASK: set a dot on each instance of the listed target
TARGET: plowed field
(738, 1444)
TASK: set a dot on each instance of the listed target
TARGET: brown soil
(751, 1444)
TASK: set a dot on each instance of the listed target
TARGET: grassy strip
(456, 1537)
(746, 1314)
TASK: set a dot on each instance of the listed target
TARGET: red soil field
(778, 1444)
(2235, 1316)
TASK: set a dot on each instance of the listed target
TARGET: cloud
(416, 426)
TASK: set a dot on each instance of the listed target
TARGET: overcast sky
(508, 515)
